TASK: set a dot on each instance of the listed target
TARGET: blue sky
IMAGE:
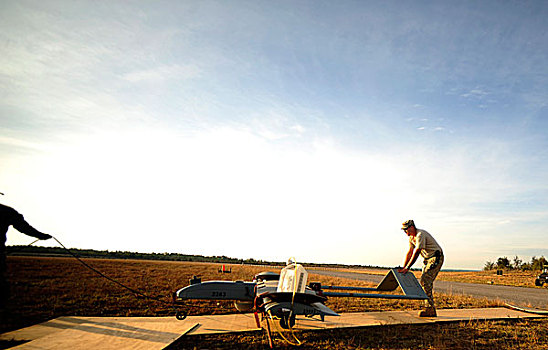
(312, 128)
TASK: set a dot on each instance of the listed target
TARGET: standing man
(10, 217)
(422, 243)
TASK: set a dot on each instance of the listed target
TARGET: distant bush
(489, 265)
(516, 264)
(105, 254)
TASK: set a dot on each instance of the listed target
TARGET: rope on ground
(21, 248)
(180, 315)
(134, 291)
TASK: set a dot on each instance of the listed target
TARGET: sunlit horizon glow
(307, 130)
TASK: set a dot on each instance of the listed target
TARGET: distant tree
(517, 263)
(503, 263)
(538, 263)
(489, 265)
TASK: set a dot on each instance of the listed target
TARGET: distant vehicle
(542, 278)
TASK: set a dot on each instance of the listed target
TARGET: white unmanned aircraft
(286, 295)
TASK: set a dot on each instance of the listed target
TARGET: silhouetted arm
(22, 226)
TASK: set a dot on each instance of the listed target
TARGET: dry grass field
(508, 278)
(45, 288)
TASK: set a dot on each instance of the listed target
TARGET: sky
(270, 130)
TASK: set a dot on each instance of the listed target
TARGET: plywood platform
(73, 333)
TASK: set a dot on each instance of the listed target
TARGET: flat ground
(46, 288)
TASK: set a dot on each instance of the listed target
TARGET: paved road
(532, 297)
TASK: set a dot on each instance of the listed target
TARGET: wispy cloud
(475, 93)
(291, 120)
(21, 143)
(163, 73)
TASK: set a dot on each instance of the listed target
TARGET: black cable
(180, 315)
(111, 279)
(15, 250)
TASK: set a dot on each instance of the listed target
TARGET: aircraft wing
(218, 290)
(393, 279)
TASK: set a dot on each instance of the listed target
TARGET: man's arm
(24, 227)
(410, 259)
(409, 254)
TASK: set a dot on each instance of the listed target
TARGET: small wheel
(180, 315)
(287, 321)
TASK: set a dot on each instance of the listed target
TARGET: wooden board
(74, 333)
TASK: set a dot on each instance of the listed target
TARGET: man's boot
(428, 312)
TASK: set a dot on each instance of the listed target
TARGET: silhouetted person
(10, 217)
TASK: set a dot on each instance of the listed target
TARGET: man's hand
(45, 236)
(403, 270)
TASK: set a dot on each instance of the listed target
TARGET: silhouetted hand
(45, 236)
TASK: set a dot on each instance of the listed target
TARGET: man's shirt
(426, 242)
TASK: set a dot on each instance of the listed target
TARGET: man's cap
(407, 224)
